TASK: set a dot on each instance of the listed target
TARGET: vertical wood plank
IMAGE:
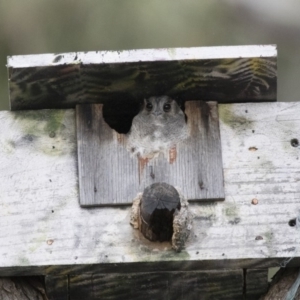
(81, 287)
(131, 286)
(108, 174)
(57, 287)
(196, 164)
(214, 284)
(256, 283)
(198, 169)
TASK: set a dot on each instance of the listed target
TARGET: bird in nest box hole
(157, 128)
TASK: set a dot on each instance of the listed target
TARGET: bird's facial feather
(160, 107)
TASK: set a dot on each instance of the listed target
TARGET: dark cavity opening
(159, 202)
(294, 142)
(118, 114)
(292, 222)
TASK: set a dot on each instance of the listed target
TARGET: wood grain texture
(22, 288)
(256, 282)
(45, 231)
(221, 284)
(226, 74)
(281, 286)
(57, 287)
(106, 172)
(110, 175)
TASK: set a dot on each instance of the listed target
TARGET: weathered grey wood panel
(226, 74)
(109, 175)
(44, 229)
(221, 284)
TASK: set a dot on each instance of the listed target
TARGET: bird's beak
(156, 113)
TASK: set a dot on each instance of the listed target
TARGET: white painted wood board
(44, 229)
(141, 55)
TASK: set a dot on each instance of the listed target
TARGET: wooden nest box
(63, 150)
(108, 175)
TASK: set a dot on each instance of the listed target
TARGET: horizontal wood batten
(225, 74)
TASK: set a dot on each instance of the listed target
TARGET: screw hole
(52, 134)
(294, 142)
(292, 222)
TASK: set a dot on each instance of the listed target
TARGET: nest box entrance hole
(158, 206)
(118, 114)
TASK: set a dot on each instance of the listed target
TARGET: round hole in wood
(158, 204)
(118, 114)
(295, 142)
(292, 222)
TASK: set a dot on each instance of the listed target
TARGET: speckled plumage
(157, 127)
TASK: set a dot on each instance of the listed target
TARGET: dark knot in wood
(158, 205)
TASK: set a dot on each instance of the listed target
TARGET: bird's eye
(167, 107)
(149, 106)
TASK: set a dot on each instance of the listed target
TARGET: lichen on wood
(182, 224)
(43, 190)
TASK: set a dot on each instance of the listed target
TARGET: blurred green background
(40, 26)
